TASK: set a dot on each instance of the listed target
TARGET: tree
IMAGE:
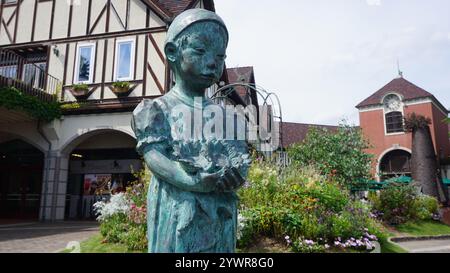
(424, 166)
(339, 153)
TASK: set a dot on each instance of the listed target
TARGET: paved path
(43, 237)
(427, 246)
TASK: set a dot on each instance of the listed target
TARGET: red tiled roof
(401, 86)
(293, 133)
(169, 9)
(241, 75)
(174, 7)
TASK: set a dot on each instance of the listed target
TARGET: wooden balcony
(29, 78)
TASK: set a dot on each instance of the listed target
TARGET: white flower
(117, 204)
(241, 225)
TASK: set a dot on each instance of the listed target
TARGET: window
(394, 122)
(124, 65)
(10, 1)
(9, 71)
(85, 63)
(395, 163)
(34, 74)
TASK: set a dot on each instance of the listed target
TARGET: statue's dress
(181, 221)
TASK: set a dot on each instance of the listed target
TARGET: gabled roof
(401, 86)
(242, 75)
(169, 9)
(293, 133)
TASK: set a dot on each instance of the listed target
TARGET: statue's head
(196, 47)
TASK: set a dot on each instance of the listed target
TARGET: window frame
(132, 59)
(395, 130)
(386, 112)
(91, 66)
(12, 2)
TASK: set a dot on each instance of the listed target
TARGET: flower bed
(123, 217)
(305, 210)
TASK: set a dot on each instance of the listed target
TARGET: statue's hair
(201, 26)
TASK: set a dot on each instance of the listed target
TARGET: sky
(323, 57)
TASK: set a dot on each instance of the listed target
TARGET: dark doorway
(21, 170)
(94, 175)
(395, 163)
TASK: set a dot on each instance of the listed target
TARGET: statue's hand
(209, 181)
(230, 181)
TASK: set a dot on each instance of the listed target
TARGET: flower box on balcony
(121, 89)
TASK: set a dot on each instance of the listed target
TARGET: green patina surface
(192, 205)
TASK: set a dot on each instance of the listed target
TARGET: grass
(388, 247)
(424, 228)
(95, 245)
(421, 228)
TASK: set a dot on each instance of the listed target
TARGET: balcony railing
(28, 77)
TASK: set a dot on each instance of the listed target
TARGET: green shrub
(112, 228)
(14, 99)
(124, 85)
(425, 207)
(300, 203)
(135, 237)
(400, 203)
(80, 87)
(125, 221)
(338, 154)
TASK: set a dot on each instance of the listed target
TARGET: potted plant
(80, 91)
(121, 88)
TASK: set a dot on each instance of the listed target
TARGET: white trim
(91, 66)
(391, 93)
(411, 102)
(426, 100)
(385, 112)
(383, 154)
(132, 57)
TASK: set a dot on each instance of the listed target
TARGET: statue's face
(202, 56)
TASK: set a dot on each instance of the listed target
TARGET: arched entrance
(100, 163)
(21, 173)
(394, 164)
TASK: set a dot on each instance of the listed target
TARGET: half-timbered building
(100, 58)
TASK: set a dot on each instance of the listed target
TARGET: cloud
(373, 2)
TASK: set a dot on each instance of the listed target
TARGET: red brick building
(381, 120)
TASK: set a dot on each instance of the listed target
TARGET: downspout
(47, 168)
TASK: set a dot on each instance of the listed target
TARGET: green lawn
(388, 247)
(95, 245)
(421, 228)
(424, 228)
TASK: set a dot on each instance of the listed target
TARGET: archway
(100, 163)
(395, 163)
(21, 174)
